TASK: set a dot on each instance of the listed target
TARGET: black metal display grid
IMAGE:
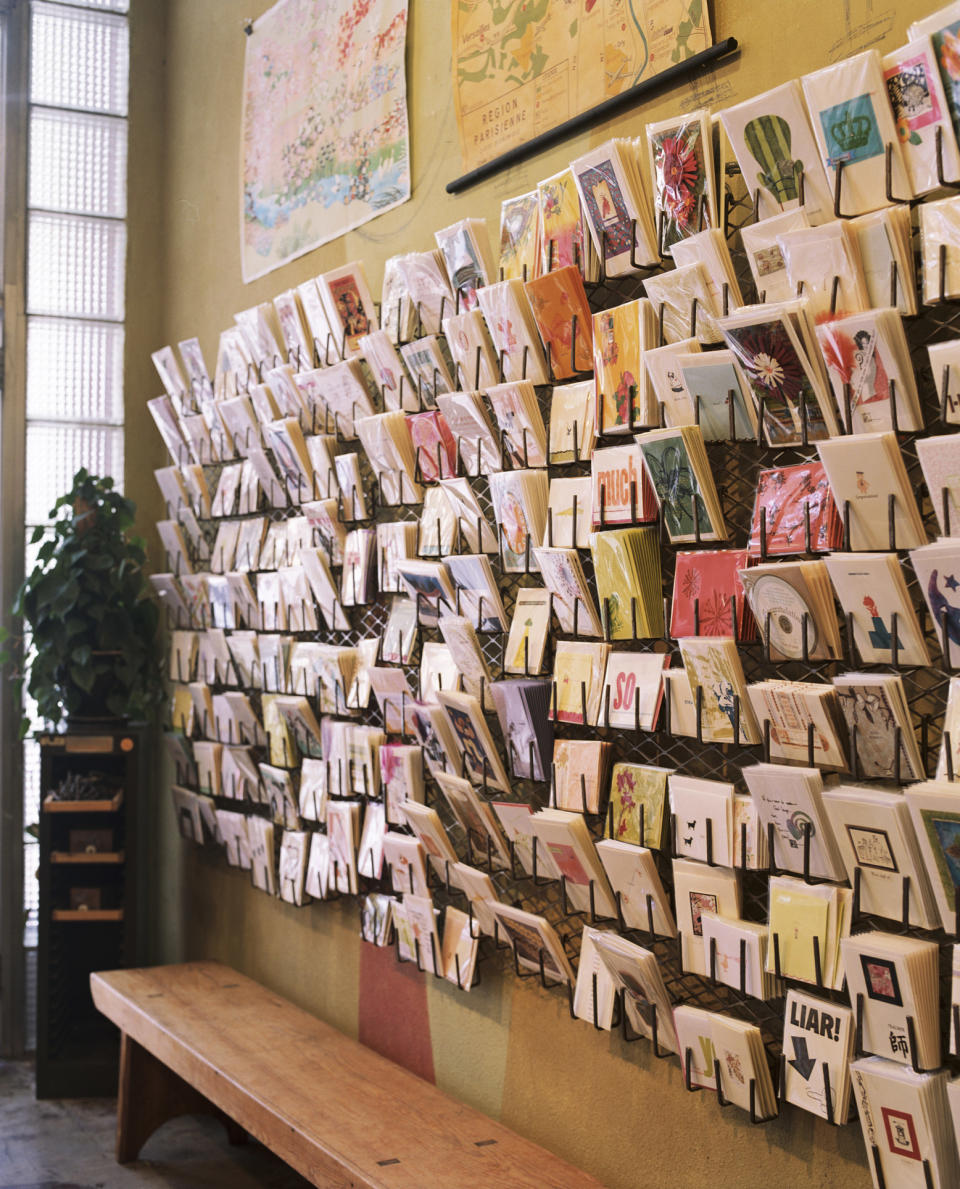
(736, 466)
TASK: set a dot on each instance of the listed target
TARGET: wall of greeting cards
(564, 632)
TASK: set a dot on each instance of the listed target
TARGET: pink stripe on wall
(393, 1018)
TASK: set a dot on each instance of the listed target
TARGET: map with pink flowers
(324, 130)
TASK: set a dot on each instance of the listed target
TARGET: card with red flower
(783, 496)
(620, 337)
(681, 166)
(708, 596)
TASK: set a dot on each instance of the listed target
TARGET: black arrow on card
(801, 1061)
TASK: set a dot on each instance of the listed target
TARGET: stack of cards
(469, 423)
(681, 167)
(709, 249)
(632, 690)
(722, 404)
(894, 980)
(823, 265)
(793, 607)
(476, 592)
(388, 443)
(852, 123)
(940, 459)
(527, 639)
(620, 337)
(790, 800)
(578, 669)
(523, 710)
(885, 240)
(872, 591)
(571, 422)
(480, 758)
(807, 924)
(564, 578)
(676, 461)
(562, 313)
(622, 492)
(638, 794)
(616, 207)
(936, 568)
(868, 361)
(708, 596)
(595, 993)
(535, 943)
(935, 809)
(882, 739)
(773, 142)
(699, 889)
(919, 106)
(723, 712)
(401, 776)
(636, 974)
(564, 841)
(806, 723)
(876, 839)
(702, 819)
(466, 251)
(777, 351)
(563, 238)
(520, 501)
(635, 880)
(513, 331)
(433, 446)
(475, 361)
(795, 512)
(873, 491)
(735, 953)
(518, 415)
(726, 1055)
(906, 1124)
(627, 567)
(570, 512)
(579, 774)
(424, 276)
(818, 1043)
(685, 305)
(476, 817)
(520, 237)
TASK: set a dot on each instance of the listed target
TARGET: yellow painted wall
(508, 1047)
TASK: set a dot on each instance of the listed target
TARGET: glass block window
(57, 450)
(76, 262)
(78, 163)
(79, 58)
(76, 266)
(74, 370)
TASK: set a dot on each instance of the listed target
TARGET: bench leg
(149, 1095)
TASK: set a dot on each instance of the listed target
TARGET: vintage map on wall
(325, 136)
(520, 67)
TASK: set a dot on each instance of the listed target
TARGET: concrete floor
(69, 1145)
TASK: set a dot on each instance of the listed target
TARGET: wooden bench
(202, 1038)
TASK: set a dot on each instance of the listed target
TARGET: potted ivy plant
(90, 627)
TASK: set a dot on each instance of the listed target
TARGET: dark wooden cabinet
(90, 893)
